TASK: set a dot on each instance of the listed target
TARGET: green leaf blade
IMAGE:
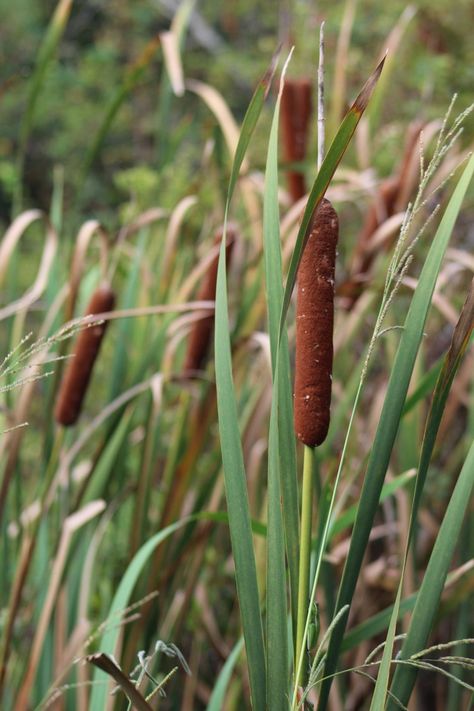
(231, 447)
(282, 482)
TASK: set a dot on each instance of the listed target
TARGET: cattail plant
(313, 360)
(313, 375)
(296, 111)
(201, 333)
(78, 373)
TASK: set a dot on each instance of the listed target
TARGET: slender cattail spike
(76, 378)
(314, 328)
(296, 110)
(201, 333)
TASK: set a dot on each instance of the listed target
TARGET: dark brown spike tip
(79, 370)
(360, 104)
(314, 328)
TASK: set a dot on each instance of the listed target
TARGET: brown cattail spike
(76, 378)
(201, 333)
(296, 110)
(314, 327)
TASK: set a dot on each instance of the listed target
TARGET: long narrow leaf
(461, 337)
(231, 447)
(274, 286)
(282, 483)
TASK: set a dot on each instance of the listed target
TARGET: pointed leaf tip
(463, 329)
(360, 104)
(267, 78)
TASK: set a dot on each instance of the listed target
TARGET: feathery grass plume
(76, 378)
(296, 110)
(202, 330)
(314, 328)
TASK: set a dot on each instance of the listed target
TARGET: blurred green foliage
(156, 142)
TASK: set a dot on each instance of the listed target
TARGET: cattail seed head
(296, 110)
(200, 336)
(79, 369)
(314, 328)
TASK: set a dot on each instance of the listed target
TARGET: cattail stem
(305, 560)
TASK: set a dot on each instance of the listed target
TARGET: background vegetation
(93, 129)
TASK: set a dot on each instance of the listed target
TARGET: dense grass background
(106, 172)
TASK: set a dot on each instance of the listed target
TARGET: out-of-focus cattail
(296, 111)
(78, 372)
(314, 327)
(392, 196)
(201, 333)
